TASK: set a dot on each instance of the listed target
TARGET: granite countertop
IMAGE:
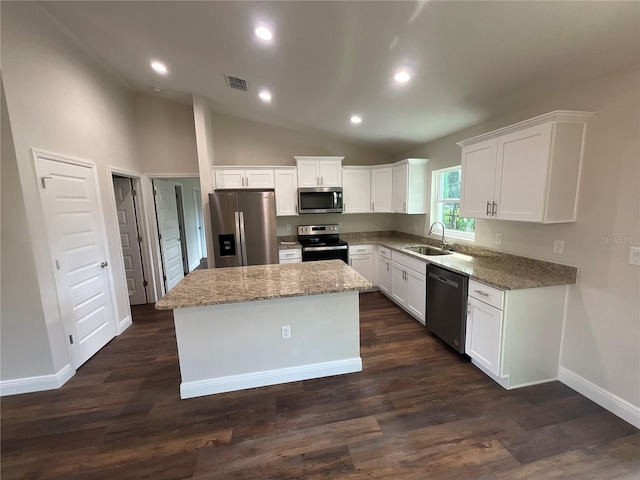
(288, 242)
(501, 270)
(216, 286)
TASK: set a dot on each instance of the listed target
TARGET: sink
(426, 250)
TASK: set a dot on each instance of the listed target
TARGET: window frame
(436, 201)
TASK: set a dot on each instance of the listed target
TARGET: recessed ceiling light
(402, 76)
(265, 96)
(263, 33)
(159, 67)
(356, 119)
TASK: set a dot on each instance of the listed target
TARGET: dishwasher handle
(444, 280)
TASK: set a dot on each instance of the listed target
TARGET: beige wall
(166, 136)
(60, 100)
(352, 222)
(602, 330)
(243, 142)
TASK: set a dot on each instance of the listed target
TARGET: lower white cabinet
(384, 270)
(290, 255)
(361, 260)
(408, 284)
(514, 335)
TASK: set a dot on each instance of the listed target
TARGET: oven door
(314, 254)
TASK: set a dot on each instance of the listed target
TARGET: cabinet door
(382, 190)
(330, 173)
(286, 188)
(357, 190)
(259, 178)
(399, 287)
(478, 179)
(484, 335)
(308, 173)
(229, 178)
(416, 294)
(400, 179)
(384, 275)
(363, 264)
(521, 173)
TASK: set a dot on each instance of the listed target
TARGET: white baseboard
(269, 377)
(125, 323)
(616, 405)
(36, 384)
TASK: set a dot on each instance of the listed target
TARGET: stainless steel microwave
(320, 200)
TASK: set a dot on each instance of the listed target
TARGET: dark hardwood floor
(417, 411)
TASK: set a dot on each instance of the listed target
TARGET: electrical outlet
(498, 239)
(286, 331)
(634, 256)
(340, 224)
(288, 227)
(558, 246)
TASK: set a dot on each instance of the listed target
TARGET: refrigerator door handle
(243, 241)
(239, 240)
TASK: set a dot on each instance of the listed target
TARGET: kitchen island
(230, 324)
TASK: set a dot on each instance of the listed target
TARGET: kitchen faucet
(443, 242)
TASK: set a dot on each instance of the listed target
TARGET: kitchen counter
(287, 242)
(217, 286)
(501, 270)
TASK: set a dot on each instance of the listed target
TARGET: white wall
(602, 329)
(60, 100)
(191, 233)
(351, 222)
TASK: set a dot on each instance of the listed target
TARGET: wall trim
(36, 384)
(123, 324)
(269, 377)
(616, 405)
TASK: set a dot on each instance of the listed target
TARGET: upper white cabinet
(528, 172)
(409, 181)
(319, 171)
(356, 187)
(286, 188)
(382, 189)
(230, 177)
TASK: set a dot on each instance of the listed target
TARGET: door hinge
(145, 283)
(57, 264)
(155, 192)
(139, 239)
(164, 278)
(159, 236)
(133, 192)
(71, 339)
(43, 181)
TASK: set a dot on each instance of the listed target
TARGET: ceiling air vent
(236, 82)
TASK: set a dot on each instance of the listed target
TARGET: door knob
(103, 264)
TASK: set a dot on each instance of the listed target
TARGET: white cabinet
(384, 270)
(290, 255)
(356, 188)
(361, 260)
(319, 171)
(527, 172)
(409, 182)
(243, 178)
(286, 188)
(382, 189)
(408, 284)
(514, 336)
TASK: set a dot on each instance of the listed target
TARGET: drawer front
(360, 249)
(385, 252)
(290, 253)
(409, 262)
(486, 294)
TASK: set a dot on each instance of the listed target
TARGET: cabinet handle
(480, 292)
(488, 208)
(295, 207)
(494, 209)
(289, 254)
(387, 267)
(373, 206)
(321, 180)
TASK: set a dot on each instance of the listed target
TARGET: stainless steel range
(322, 242)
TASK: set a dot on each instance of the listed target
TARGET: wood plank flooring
(417, 411)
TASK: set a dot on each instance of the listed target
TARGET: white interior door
(130, 240)
(197, 205)
(169, 232)
(76, 237)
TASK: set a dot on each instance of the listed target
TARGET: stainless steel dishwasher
(447, 305)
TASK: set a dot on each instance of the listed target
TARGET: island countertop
(216, 286)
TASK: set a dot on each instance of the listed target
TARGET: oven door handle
(324, 249)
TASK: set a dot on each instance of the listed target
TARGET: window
(445, 204)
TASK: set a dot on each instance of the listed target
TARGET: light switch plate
(634, 256)
(558, 246)
(498, 239)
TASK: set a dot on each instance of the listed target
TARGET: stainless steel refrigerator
(243, 223)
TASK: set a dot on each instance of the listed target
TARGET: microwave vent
(236, 82)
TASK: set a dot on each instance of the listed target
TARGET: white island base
(236, 346)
